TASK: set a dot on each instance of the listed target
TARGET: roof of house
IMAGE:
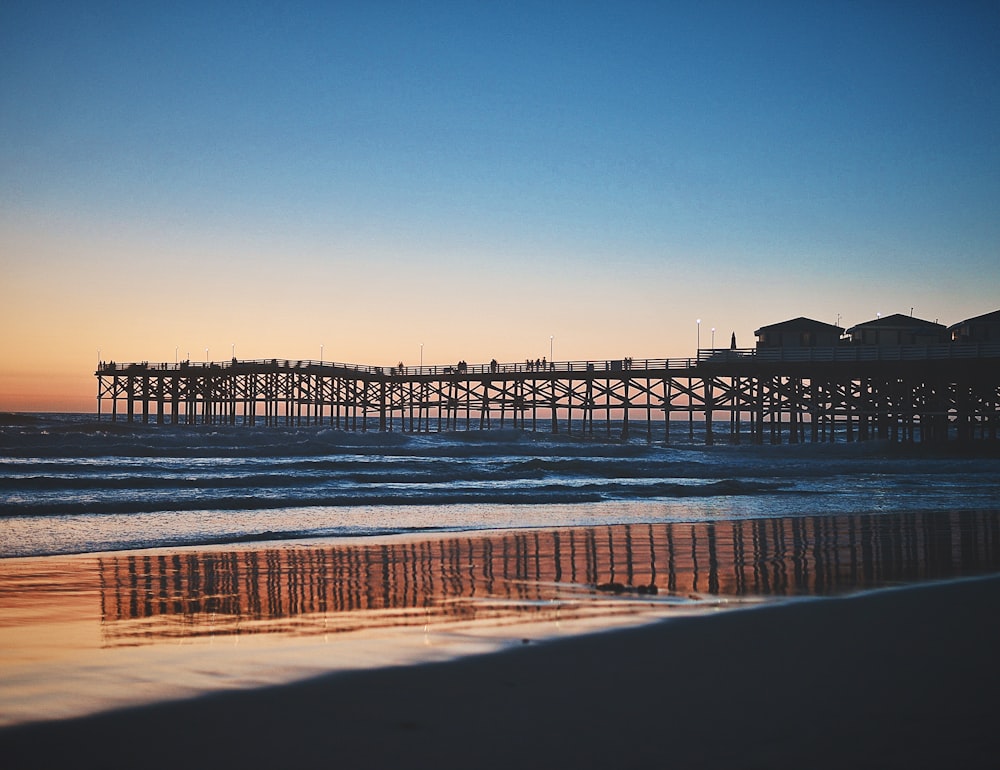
(993, 317)
(898, 321)
(801, 324)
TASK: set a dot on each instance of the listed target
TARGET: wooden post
(625, 406)
(668, 384)
(734, 410)
(709, 407)
(144, 384)
(607, 404)
(555, 422)
(690, 395)
(649, 410)
(381, 407)
(794, 409)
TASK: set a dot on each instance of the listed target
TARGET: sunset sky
(478, 177)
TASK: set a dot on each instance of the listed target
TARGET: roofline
(994, 314)
(811, 321)
(889, 320)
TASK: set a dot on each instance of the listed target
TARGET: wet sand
(896, 678)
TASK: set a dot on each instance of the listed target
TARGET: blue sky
(482, 176)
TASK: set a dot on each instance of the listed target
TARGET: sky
(376, 180)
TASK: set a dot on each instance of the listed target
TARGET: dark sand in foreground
(900, 678)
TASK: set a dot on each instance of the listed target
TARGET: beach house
(798, 333)
(982, 328)
(897, 329)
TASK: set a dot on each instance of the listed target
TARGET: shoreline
(901, 677)
(84, 634)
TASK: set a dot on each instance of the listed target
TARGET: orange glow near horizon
(52, 392)
(60, 315)
(374, 303)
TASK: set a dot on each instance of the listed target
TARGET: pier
(912, 393)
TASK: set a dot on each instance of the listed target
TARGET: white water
(71, 485)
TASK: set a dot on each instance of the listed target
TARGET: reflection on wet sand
(530, 574)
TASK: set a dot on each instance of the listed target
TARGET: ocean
(71, 485)
(144, 563)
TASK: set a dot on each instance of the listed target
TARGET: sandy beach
(901, 677)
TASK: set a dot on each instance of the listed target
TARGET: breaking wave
(69, 482)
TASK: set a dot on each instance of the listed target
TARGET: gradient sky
(478, 177)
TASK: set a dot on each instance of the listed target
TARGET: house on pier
(982, 328)
(798, 333)
(898, 329)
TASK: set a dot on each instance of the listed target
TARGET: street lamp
(698, 347)
(206, 355)
(551, 338)
(713, 338)
(320, 355)
(421, 358)
(234, 350)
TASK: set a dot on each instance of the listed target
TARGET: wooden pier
(924, 393)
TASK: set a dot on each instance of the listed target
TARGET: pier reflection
(531, 574)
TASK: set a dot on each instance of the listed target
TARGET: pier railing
(841, 353)
(612, 365)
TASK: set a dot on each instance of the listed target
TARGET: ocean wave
(377, 495)
(214, 484)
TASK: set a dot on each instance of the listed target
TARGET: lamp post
(234, 350)
(421, 358)
(320, 355)
(551, 338)
(698, 344)
(175, 355)
(206, 355)
(713, 338)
